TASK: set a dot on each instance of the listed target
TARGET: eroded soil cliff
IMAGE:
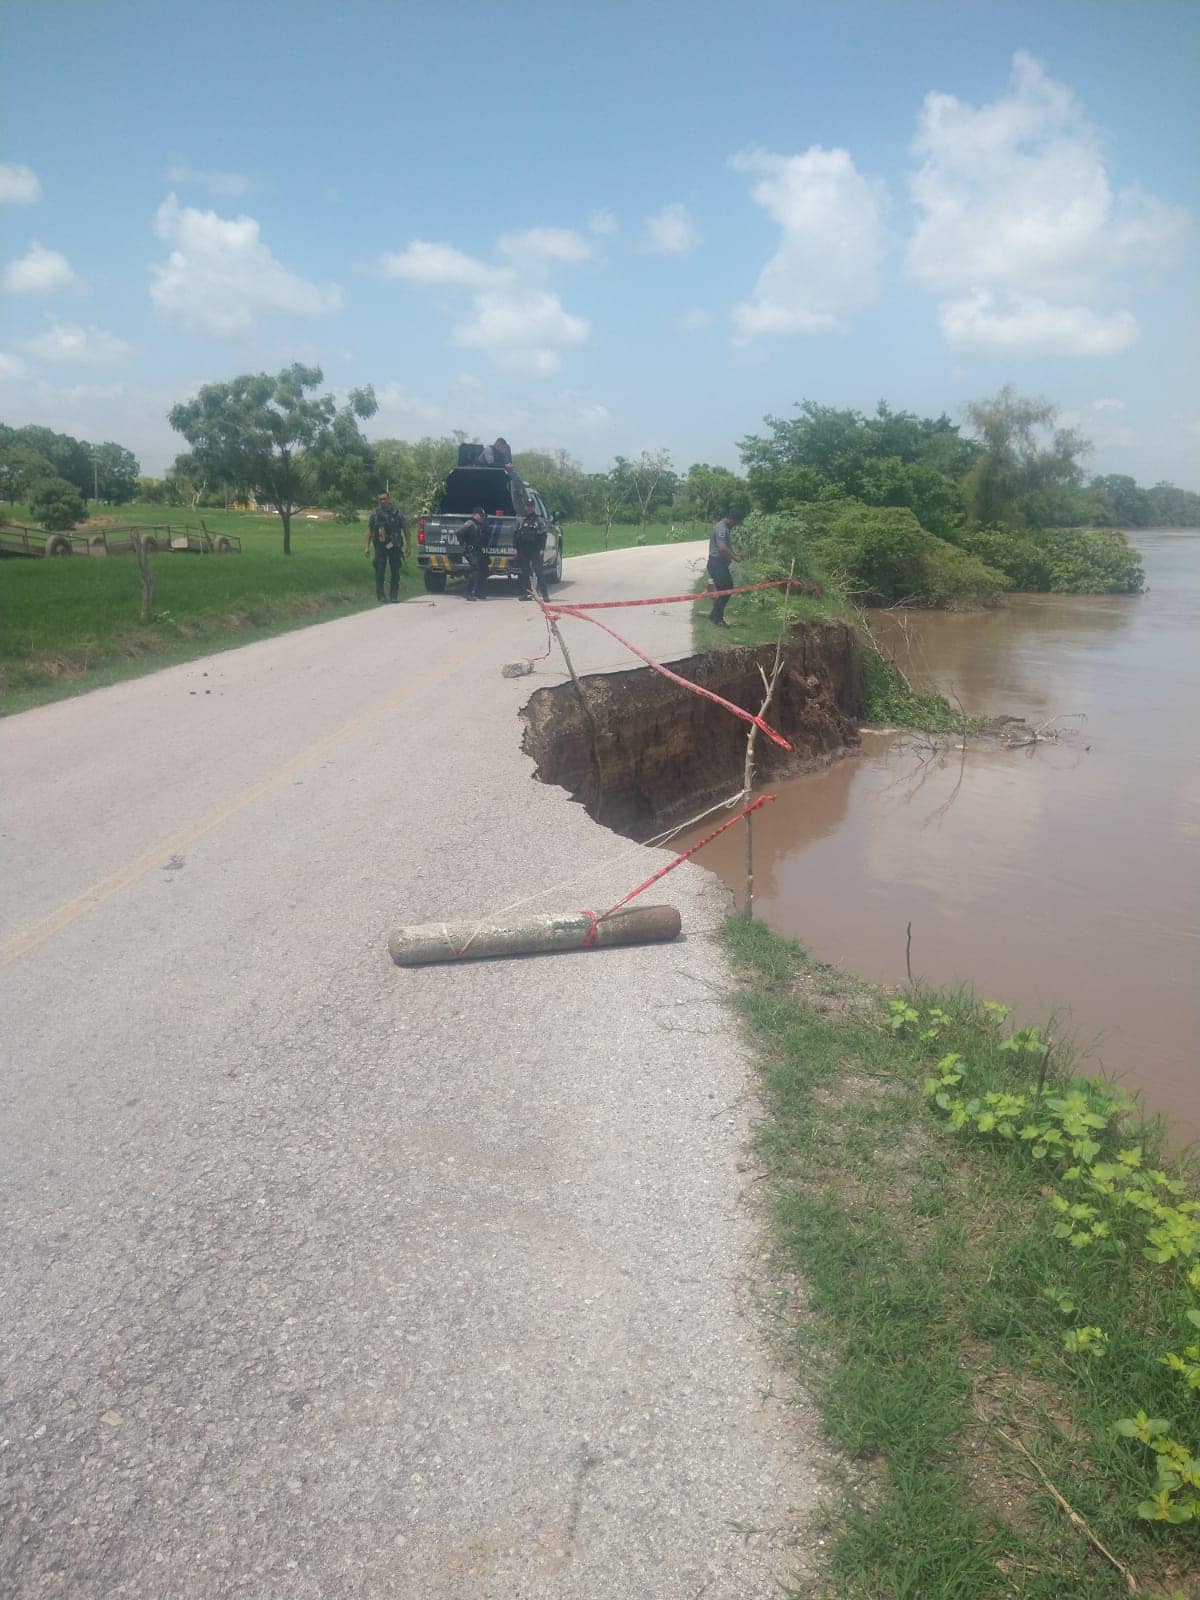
(648, 752)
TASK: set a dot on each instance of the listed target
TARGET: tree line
(55, 475)
(1011, 469)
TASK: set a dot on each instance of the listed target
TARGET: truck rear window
(490, 487)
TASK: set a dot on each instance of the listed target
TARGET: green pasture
(67, 625)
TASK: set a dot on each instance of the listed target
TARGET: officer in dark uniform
(387, 537)
(530, 541)
(474, 538)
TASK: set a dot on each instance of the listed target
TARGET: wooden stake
(748, 768)
(146, 572)
(587, 711)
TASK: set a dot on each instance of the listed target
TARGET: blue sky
(605, 227)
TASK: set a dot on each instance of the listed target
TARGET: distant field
(585, 538)
(67, 625)
(72, 624)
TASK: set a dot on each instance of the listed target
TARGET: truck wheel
(556, 575)
(58, 545)
(435, 582)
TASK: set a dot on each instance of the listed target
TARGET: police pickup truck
(502, 494)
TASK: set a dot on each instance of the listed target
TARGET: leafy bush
(1060, 560)
(772, 541)
(1012, 551)
(878, 554)
(1092, 561)
(882, 555)
(56, 504)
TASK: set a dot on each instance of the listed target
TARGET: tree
(114, 473)
(186, 481)
(56, 504)
(559, 479)
(705, 492)
(269, 435)
(69, 458)
(649, 479)
(413, 471)
(22, 468)
(892, 458)
(607, 497)
(1025, 460)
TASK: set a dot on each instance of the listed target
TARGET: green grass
(71, 625)
(755, 619)
(923, 1257)
(586, 538)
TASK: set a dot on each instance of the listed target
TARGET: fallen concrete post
(531, 935)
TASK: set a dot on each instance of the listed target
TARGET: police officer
(530, 541)
(474, 538)
(387, 536)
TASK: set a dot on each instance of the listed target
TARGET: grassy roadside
(972, 1290)
(71, 625)
(755, 619)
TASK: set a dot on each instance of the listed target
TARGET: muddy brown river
(1060, 878)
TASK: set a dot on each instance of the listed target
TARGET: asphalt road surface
(325, 1279)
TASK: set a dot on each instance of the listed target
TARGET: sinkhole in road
(642, 752)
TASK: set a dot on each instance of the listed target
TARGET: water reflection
(1061, 873)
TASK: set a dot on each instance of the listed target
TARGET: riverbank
(971, 1303)
(1056, 874)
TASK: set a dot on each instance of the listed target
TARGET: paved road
(324, 1279)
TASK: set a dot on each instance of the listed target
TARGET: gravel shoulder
(327, 1279)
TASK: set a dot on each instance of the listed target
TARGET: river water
(1059, 878)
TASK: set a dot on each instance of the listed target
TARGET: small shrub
(56, 504)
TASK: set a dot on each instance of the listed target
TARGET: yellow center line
(107, 887)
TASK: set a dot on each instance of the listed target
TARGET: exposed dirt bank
(652, 751)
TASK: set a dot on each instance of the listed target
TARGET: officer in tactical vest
(387, 538)
(530, 540)
(474, 536)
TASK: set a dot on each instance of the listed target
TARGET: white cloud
(1108, 405)
(1018, 221)
(11, 367)
(434, 265)
(92, 393)
(220, 278)
(828, 261)
(523, 330)
(602, 223)
(671, 231)
(84, 347)
(514, 316)
(39, 272)
(397, 407)
(692, 319)
(538, 247)
(229, 185)
(18, 185)
(1025, 324)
